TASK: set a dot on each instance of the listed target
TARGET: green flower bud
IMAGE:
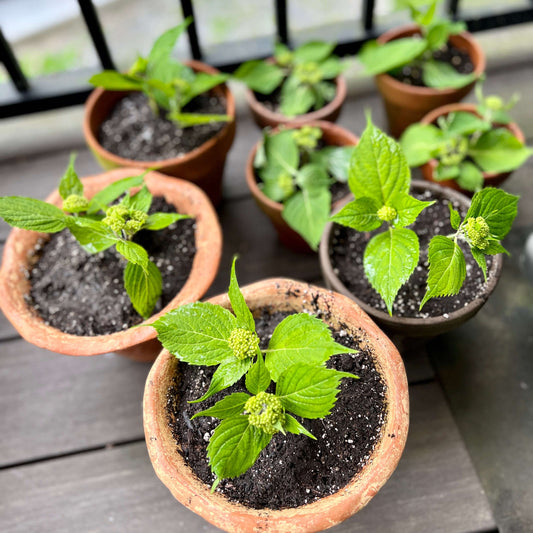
(477, 231)
(284, 59)
(387, 214)
(139, 216)
(117, 210)
(286, 184)
(266, 412)
(308, 72)
(244, 343)
(116, 223)
(307, 136)
(75, 203)
(494, 103)
(132, 226)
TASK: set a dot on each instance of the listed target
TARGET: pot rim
(328, 511)
(13, 285)
(493, 275)
(98, 93)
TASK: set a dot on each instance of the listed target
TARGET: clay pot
(332, 136)
(491, 179)
(204, 166)
(139, 343)
(264, 117)
(414, 327)
(406, 104)
(288, 295)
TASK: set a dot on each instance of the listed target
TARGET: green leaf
(235, 446)
(379, 169)
(281, 51)
(378, 59)
(312, 177)
(408, 209)
(260, 76)
(445, 172)
(202, 83)
(92, 235)
(494, 248)
(307, 214)
(499, 150)
(419, 142)
(296, 99)
(309, 391)
(479, 256)
(300, 338)
(238, 303)
(390, 259)
(497, 207)
(229, 406)
(463, 123)
(157, 221)
(31, 214)
(336, 160)
(103, 198)
(282, 153)
(470, 177)
(447, 268)
(292, 425)
(441, 75)
(185, 120)
(143, 287)
(114, 81)
(325, 91)
(272, 189)
(315, 51)
(133, 252)
(70, 183)
(258, 377)
(455, 217)
(227, 373)
(331, 68)
(140, 201)
(197, 333)
(163, 46)
(361, 215)
(437, 35)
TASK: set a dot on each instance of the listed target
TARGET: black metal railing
(71, 88)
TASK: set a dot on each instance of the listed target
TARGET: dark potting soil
(346, 249)
(133, 131)
(293, 469)
(84, 294)
(459, 59)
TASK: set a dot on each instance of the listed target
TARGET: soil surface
(459, 59)
(84, 294)
(346, 249)
(133, 131)
(293, 469)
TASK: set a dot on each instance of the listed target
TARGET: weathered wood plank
(434, 488)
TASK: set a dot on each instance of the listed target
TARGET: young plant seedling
(209, 335)
(303, 75)
(97, 225)
(465, 144)
(418, 51)
(168, 84)
(297, 174)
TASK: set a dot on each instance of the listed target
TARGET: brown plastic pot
(414, 327)
(491, 179)
(333, 135)
(138, 343)
(204, 166)
(286, 295)
(406, 104)
(264, 117)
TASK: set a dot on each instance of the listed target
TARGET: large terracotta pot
(332, 136)
(264, 117)
(139, 343)
(407, 104)
(413, 327)
(284, 294)
(204, 166)
(491, 179)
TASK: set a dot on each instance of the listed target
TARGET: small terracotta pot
(287, 295)
(139, 343)
(491, 179)
(406, 104)
(264, 117)
(333, 136)
(414, 327)
(204, 166)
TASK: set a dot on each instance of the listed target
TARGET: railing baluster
(453, 8)
(7, 57)
(282, 25)
(368, 15)
(194, 43)
(97, 35)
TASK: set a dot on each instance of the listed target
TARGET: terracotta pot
(333, 136)
(137, 342)
(491, 179)
(414, 327)
(204, 166)
(406, 104)
(284, 294)
(264, 117)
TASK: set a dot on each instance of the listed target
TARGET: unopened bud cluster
(266, 412)
(119, 218)
(477, 232)
(75, 203)
(454, 151)
(387, 214)
(244, 343)
(286, 183)
(307, 136)
(308, 72)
